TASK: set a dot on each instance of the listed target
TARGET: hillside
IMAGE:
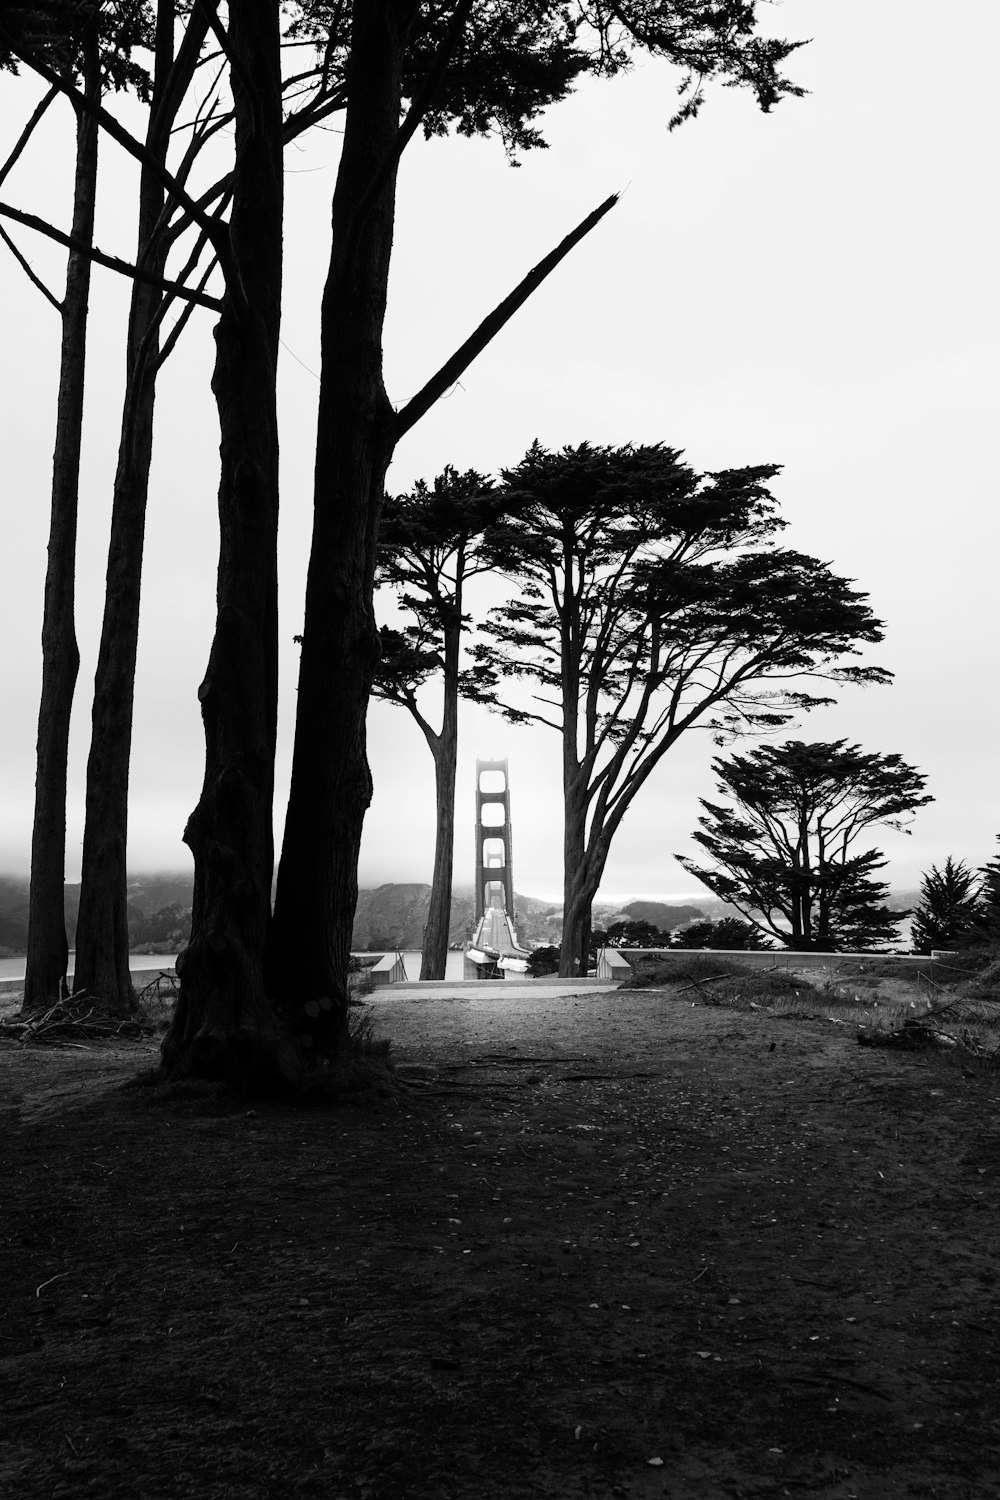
(388, 916)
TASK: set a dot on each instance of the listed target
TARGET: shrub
(655, 968)
(543, 961)
(729, 932)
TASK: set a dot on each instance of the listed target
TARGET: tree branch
(170, 342)
(460, 361)
(419, 106)
(128, 143)
(26, 133)
(26, 268)
(112, 262)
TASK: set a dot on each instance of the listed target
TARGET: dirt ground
(598, 1245)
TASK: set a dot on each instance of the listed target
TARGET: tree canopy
(947, 915)
(785, 846)
(392, 68)
(636, 934)
(728, 932)
(653, 599)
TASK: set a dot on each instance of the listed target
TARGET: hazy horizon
(813, 288)
(467, 887)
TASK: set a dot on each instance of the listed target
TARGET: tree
(476, 67)
(241, 745)
(946, 916)
(224, 1023)
(784, 847)
(636, 934)
(427, 553)
(102, 939)
(988, 916)
(727, 933)
(654, 599)
(92, 44)
(165, 217)
(480, 66)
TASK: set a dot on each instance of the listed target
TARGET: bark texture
(48, 947)
(224, 1025)
(102, 942)
(444, 747)
(579, 888)
(331, 786)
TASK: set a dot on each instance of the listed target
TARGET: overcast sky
(814, 288)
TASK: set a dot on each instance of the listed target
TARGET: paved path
(489, 989)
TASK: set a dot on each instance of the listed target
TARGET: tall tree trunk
(102, 941)
(331, 786)
(434, 959)
(224, 1025)
(579, 883)
(48, 949)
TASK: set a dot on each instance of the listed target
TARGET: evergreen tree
(949, 906)
(729, 932)
(429, 548)
(988, 914)
(635, 934)
(654, 599)
(784, 846)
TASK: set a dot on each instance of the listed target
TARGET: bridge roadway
(495, 934)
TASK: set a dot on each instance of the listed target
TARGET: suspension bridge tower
(494, 944)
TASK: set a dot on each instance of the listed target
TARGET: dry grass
(953, 1006)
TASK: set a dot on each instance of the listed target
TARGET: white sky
(815, 288)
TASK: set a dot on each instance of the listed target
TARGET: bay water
(13, 968)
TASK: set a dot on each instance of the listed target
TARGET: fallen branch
(68, 1019)
(696, 984)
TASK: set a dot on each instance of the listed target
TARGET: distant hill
(394, 916)
(388, 916)
(666, 918)
(159, 913)
(13, 916)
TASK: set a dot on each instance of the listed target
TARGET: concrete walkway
(488, 989)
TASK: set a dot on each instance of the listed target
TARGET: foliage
(512, 59)
(636, 934)
(543, 961)
(984, 984)
(55, 31)
(988, 913)
(946, 916)
(728, 932)
(696, 968)
(784, 845)
(429, 548)
(653, 599)
(480, 68)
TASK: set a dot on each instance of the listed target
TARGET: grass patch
(957, 1012)
(652, 969)
(156, 1002)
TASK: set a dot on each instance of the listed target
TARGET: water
(454, 968)
(13, 968)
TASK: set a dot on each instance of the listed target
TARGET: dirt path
(603, 1245)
